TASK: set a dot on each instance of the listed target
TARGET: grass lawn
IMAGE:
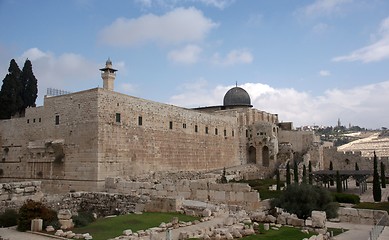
(106, 228)
(262, 186)
(289, 233)
(377, 205)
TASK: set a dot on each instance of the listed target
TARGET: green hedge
(346, 198)
(9, 218)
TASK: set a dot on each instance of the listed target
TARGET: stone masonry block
(251, 196)
(201, 195)
(240, 187)
(198, 185)
(29, 189)
(218, 196)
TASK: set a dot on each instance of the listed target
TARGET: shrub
(9, 218)
(31, 210)
(304, 198)
(83, 219)
(346, 198)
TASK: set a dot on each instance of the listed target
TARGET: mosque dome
(237, 96)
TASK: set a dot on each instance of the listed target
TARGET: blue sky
(311, 62)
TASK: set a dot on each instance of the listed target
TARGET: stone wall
(363, 216)
(14, 194)
(346, 160)
(230, 193)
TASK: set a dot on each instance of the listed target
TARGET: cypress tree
(376, 182)
(383, 177)
(29, 84)
(310, 171)
(331, 180)
(10, 94)
(295, 172)
(338, 183)
(278, 179)
(304, 180)
(287, 174)
(356, 169)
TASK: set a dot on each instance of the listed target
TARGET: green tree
(304, 180)
(10, 93)
(301, 199)
(376, 182)
(278, 179)
(383, 177)
(310, 171)
(331, 168)
(29, 85)
(295, 172)
(338, 183)
(223, 178)
(287, 174)
(356, 169)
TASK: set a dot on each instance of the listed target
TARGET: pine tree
(304, 180)
(310, 173)
(338, 183)
(383, 177)
(287, 174)
(10, 94)
(376, 182)
(29, 84)
(295, 172)
(331, 168)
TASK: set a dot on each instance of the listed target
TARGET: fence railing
(378, 228)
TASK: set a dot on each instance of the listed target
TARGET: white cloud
(63, 72)
(322, 7)
(377, 51)
(324, 73)
(187, 55)
(364, 106)
(233, 57)
(177, 26)
(221, 4)
(126, 88)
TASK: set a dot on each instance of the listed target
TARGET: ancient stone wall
(14, 194)
(363, 216)
(230, 193)
(347, 160)
(152, 136)
(301, 140)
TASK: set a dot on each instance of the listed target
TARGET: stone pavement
(12, 234)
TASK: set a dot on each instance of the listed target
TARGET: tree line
(19, 90)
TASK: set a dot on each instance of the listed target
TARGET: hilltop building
(75, 141)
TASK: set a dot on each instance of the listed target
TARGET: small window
(57, 120)
(232, 134)
(196, 128)
(140, 121)
(28, 120)
(206, 130)
(215, 131)
(33, 120)
(225, 132)
(118, 117)
(247, 133)
(184, 125)
(40, 119)
(170, 125)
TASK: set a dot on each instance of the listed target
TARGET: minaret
(108, 75)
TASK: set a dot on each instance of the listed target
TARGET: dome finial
(236, 83)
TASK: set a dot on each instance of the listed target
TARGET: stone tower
(108, 75)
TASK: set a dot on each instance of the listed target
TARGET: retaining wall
(230, 193)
